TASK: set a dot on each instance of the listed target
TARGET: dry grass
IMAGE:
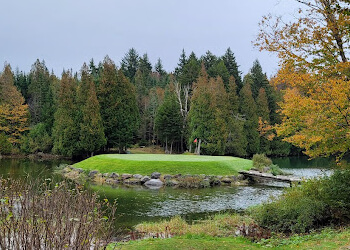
(218, 225)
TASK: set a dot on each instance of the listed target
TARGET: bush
(260, 161)
(5, 145)
(298, 210)
(34, 216)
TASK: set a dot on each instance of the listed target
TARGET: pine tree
(14, 113)
(232, 67)
(209, 60)
(130, 64)
(219, 69)
(249, 110)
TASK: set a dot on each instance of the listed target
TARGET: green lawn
(165, 164)
(323, 240)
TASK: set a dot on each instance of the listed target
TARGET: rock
(113, 175)
(215, 182)
(137, 176)
(145, 179)
(226, 180)
(105, 174)
(167, 177)
(219, 177)
(126, 176)
(240, 177)
(154, 183)
(155, 175)
(93, 173)
(132, 181)
(177, 175)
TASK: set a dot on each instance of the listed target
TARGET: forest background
(203, 106)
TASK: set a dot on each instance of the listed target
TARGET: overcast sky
(66, 33)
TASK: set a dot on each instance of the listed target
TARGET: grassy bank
(196, 238)
(165, 164)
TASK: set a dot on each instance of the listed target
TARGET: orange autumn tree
(13, 112)
(314, 76)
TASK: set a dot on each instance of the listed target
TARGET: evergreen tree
(91, 137)
(168, 122)
(13, 112)
(236, 140)
(130, 64)
(181, 64)
(209, 60)
(40, 94)
(207, 115)
(264, 117)
(107, 97)
(66, 130)
(127, 113)
(22, 82)
(232, 67)
(249, 110)
(219, 69)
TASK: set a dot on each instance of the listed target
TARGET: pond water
(139, 204)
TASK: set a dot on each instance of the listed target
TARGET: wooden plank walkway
(282, 178)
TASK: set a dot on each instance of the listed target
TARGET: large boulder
(154, 183)
(137, 176)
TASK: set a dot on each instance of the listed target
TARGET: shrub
(5, 145)
(34, 216)
(298, 210)
(260, 161)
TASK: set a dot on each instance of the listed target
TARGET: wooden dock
(252, 174)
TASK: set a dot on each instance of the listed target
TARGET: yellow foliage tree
(14, 113)
(314, 76)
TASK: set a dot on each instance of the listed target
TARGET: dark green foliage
(22, 82)
(232, 67)
(236, 141)
(91, 133)
(249, 110)
(130, 64)
(5, 145)
(65, 130)
(168, 122)
(40, 96)
(126, 112)
(219, 69)
(37, 140)
(188, 74)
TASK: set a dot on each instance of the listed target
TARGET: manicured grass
(166, 164)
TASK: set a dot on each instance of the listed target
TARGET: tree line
(203, 106)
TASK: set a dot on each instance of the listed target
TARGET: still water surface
(139, 204)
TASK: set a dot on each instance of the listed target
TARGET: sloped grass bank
(166, 164)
